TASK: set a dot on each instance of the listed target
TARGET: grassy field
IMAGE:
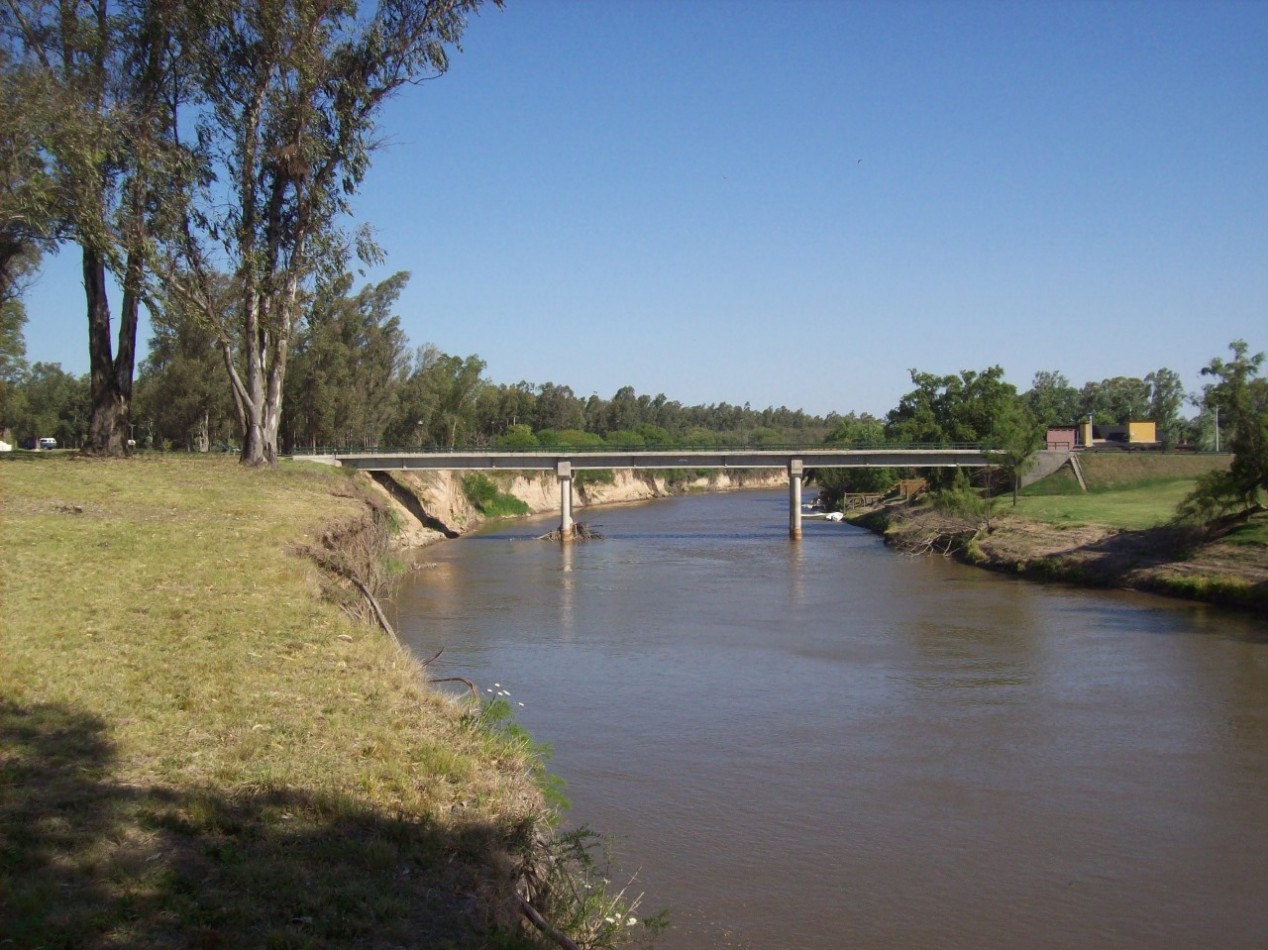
(198, 749)
(1125, 490)
(1140, 506)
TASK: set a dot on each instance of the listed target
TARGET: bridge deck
(691, 458)
(565, 462)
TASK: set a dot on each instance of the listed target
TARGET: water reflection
(567, 592)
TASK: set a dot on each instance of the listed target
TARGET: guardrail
(604, 447)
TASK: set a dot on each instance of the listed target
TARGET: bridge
(564, 461)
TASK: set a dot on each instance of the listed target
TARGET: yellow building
(1133, 433)
(1140, 432)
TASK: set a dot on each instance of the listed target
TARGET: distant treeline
(354, 381)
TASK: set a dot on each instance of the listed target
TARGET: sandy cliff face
(442, 506)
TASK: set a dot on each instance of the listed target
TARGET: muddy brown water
(830, 745)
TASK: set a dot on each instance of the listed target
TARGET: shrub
(625, 439)
(569, 438)
(491, 500)
(517, 437)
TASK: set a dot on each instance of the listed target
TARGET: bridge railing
(624, 449)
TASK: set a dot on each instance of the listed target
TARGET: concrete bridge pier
(795, 472)
(564, 471)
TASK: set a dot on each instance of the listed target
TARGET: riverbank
(1225, 565)
(430, 506)
(199, 747)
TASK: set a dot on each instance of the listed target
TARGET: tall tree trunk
(109, 405)
(266, 368)
(257, 446)
(111, 374)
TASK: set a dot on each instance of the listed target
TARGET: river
(829, 745)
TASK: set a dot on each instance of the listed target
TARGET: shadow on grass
(88, 862)
(1114, 557)
(1156, 559)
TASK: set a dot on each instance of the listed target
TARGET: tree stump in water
(578, 532)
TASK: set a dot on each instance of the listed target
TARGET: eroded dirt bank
(1190, 563)
(431, 506)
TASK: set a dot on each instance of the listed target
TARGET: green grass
(1128, 469)
(196, 748)
(1234, 591)
(1060, 482)
(1144, 505)
(1132, 490)
(490, 499)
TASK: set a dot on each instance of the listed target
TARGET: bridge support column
(564, 471)
(795, 471)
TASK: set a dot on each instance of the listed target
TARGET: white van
(48, 443)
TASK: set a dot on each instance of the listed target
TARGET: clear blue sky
(793, 202)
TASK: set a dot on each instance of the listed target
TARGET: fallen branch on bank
(460, 679)
(544, 926)
(941, 543)
(378, 611)
(927, 535)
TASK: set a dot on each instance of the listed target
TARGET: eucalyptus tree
(292, 90)
(13, 368)
(436, 402)
(350, 358)
(181, 400)
(455, 383)
(21, 240)
(622, 412)
(502, 407)
(559, 408)
(28, 121)
(53, 403)
(1166, 396)
(110, 170)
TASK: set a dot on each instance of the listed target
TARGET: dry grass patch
(1122, 469)
(197, 749)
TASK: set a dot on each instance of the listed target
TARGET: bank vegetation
(1124, 532)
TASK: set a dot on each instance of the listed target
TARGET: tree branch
(541, 924)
